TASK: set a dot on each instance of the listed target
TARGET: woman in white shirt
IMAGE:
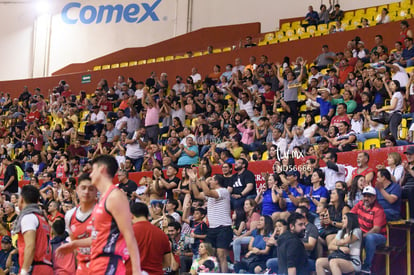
(394, 109)
(383, 17)
(394, 167)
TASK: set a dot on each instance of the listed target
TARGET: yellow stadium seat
(106, 67)
(294, 37)
(371, 10)
(216, 50)
(227, 49)
(169, 58)
(301, 97)
(305, 35)
(317, 119)
(359, 13)
(295, 24)
(142, 62)
(265, 155)
(350, 27)
(263, 43)
(405, 4)
(372, 143)
(269, 36)
(300, 30)
(188, 122)
(394, 6)
(322, 27)
(301, 121)
(371, 15)
(284, 39)
(150, 60)
(380, 8)
(289, 33)
(311, 29)
(123, 64)
(331, 24)
(409, 69)
(403, 133)
(285, 26)
(274, 41)
(133, 63)
(348, 15)
(302, 108)
(81, 128)
(360, 145)
(197, 54)
(280, 35)
(404, 123)
(160, 59)
(115, 66)
(97, 68)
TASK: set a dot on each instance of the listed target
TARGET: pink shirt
(247, 134)
(152, 117)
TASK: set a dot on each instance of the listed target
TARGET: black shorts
(220, 237)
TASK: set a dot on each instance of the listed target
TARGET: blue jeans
(364, 136)
(371, 242)
(237, 245)
(137, 163)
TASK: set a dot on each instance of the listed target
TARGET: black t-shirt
(240, 182)
(60, 143)
(291, 253)
(228, 181)
(112, 97)
(128, 187)
(169, 192)
(10, 172)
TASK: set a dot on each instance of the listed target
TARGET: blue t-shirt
(199, 228)
(258, 240)
(186, 159)
(325, 106)
(290, 206)
(317, 194)
(268, 207)
(392, 189)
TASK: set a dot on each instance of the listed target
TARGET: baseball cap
(6, 239)
(369, 190)
(410, 151)
(293, 173)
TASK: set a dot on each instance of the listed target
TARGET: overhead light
(42, 6)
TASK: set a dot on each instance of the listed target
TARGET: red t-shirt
(338, 119)
(368, 218)
(52, 219)
(365, 173)
(269, 96)
(106, 106)
(343, 73)
(33, 116)
(153, 244)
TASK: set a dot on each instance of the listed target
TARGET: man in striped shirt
(372, 221)
(219, 233)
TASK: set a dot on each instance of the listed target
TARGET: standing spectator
(249, 43)
(219, 233)
(405, 32)
(292, 256)
(388, 195)
(11, 181)
(135, 149)
(152, 118)
(290, 89)
(244, 184)
(372, 221)
(324, 13)
(333, 171)
(310, 239)
(154, 246)
(325, 58)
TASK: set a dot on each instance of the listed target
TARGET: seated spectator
(259, 252)
(188, 153)
(292, 192)
(206, 253)
(388, 195)
(243, 184)
(268, 197)
(249, 43)
(347, 242)
(345, 140)
(317, 192)
(337, 14)
(355, 191)
(394, 166)
(363, 169)
(312, 16)
(125, 184)
(341, 115)
(407, 56)
(372, 221)
(331, 218)
(405, 32)
(383, 17)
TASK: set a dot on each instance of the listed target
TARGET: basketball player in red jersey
(112, 234)
(33, 243)
(79, 221)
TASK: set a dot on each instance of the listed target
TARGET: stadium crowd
(308, 220)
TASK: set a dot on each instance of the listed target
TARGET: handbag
(383, 117)
(253, 258)
(339, 254)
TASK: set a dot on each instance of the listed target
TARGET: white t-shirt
(196, 77)
(29, 222)
(400, 102)
(401, 76)
(119, 122)
(99, 116)
(134, 150)
(248, 107)
(218, 210)
(139, 93)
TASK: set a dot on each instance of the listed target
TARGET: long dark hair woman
(347, 249)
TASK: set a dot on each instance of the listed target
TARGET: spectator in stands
(337, 14)
(200, 264)
(292, 256)
(324, 13)
(290, 87)
(249, 43)
(355, 190)
(408, 180)
(96, 121)
(394, 109)
(243, 185)
(219, 233)
(379, 42)
(152, 117)
(405, 32)
(312, 17)
(135, 149)
(372, 221)
(363, 169)
(5, 254)
(125, 184)
(188, 153)
(394, 166)
(407, 56)
(268, 196)
(341, 115)
(383, 17)
(317, 192)
(325, 58)
(388, 195)
(292, 192)
(315, 74)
